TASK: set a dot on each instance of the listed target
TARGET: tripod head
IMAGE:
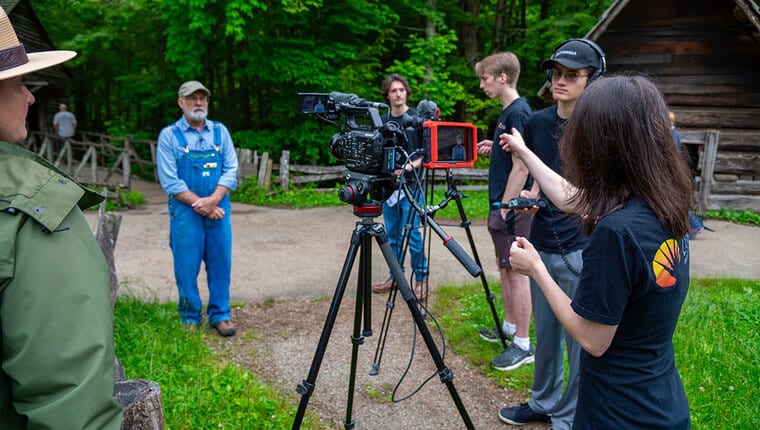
(365, 190)
(370, 209)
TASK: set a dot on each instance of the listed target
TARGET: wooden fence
(107, 161)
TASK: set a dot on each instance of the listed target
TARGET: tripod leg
(489, 295)
(363, 302)
(444, 373)
(390, 303)
(306, 387)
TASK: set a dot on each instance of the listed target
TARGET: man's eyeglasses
(570, 75)
(192, 99)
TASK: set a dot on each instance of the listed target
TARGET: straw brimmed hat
(14, 61)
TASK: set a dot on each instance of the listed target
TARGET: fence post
(256, 163)
(285, 169)
(708, 166)
(244, 158)
(126, 164)
(263, 168)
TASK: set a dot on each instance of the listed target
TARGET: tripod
(451, 194)
(365, 229)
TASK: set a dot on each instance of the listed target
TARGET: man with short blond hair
(507, 176)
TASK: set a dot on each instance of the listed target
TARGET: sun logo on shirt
(667, 258)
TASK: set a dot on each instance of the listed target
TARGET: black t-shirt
(552, 230)
(635, 276)
(515, 115)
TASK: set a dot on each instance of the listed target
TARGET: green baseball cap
(190, 87)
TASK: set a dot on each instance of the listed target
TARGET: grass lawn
(717, 344)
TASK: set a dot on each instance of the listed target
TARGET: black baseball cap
(574, 54)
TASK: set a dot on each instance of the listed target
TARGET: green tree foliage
(255, 56)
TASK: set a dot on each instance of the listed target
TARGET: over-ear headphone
(601, 70)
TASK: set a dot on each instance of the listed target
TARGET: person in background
(636, 265)
(560, 240)
(56, 323)
(696, 225)
(397, 212)
(64, 124)
(498, 75)
(197, 168)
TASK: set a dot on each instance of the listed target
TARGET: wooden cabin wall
(49, 86)
(704, 61)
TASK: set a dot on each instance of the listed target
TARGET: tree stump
(140, 399)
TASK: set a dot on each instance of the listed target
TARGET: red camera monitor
(449, 144)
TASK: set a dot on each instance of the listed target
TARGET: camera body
(364, 144)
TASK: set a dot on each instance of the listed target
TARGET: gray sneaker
(492, 335)
(512, 358)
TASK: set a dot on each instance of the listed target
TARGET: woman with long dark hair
(633, 190)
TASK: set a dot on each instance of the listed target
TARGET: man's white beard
(197, 114)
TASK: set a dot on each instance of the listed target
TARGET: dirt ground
(286, 267)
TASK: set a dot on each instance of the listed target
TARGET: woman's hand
(513, 142)
(523, 257)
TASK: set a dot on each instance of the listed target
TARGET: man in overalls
(197, 167)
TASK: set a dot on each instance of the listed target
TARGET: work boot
(383, 287)
(421, 289)
(225, 328)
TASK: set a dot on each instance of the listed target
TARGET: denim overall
(194, 238)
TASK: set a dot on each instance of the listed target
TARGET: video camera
(364, 144)
(367, 146)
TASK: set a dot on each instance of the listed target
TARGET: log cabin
(704, 55)
(49, 86)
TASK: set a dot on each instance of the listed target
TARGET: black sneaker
(521, 414)
(492, 335)
(512, 358)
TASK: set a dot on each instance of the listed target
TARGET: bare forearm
(517, 177)
(552, 184)
(219, 192)
(187, 197)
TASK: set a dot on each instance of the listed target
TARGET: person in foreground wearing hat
(636, 265)
(56, 323)
(559, 239)
(197, 167)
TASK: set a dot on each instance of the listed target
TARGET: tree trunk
(141, 401)
(469, 35)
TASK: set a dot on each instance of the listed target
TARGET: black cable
(562, 250)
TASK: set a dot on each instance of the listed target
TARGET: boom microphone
(428, 110)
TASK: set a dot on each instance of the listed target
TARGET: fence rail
(107, 161)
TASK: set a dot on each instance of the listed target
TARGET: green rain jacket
(56, 323)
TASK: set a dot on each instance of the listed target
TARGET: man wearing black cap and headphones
(559, 238)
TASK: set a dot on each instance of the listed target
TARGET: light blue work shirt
(169, 152)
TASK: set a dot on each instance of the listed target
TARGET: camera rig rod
(449, 242)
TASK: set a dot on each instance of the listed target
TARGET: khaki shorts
(502, 239)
